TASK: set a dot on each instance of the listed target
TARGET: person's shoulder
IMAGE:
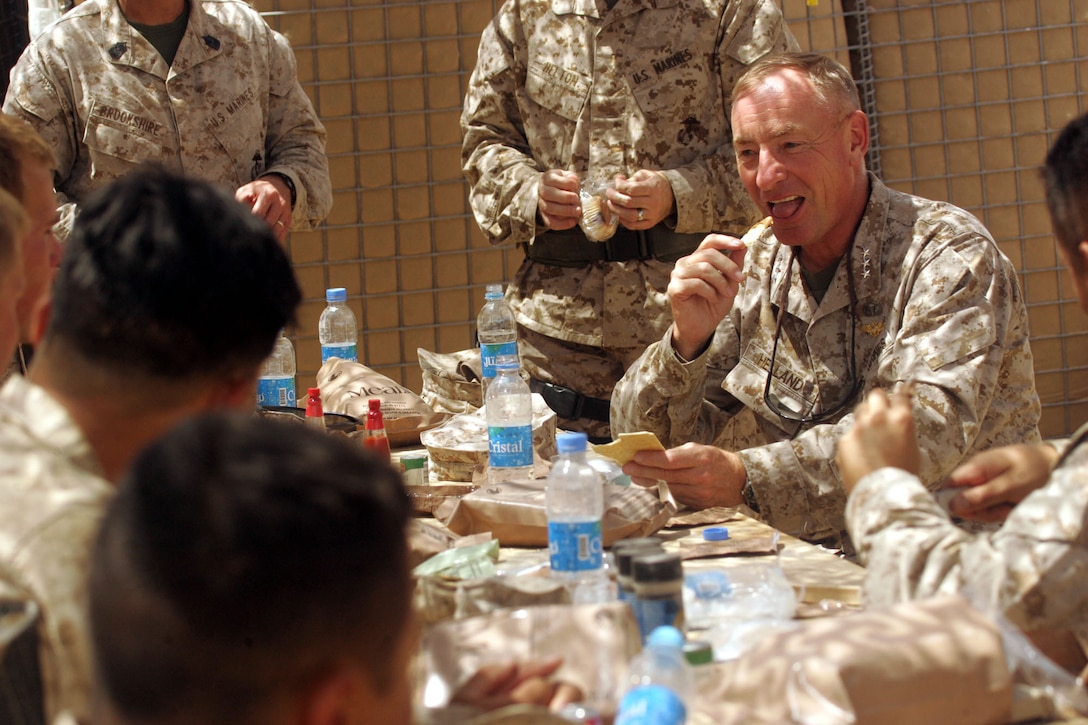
(80, 21)
(935, 218)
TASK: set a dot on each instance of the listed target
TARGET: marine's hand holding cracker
(699, 476)
(702, 289)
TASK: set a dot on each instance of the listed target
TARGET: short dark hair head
(831, 79)
(171, 278)
(1065, 175)
(240, 560)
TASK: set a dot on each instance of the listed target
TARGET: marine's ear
(1082, 254)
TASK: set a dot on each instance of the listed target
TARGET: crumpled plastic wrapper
(595, 641)
(596, 222)
(458, 447)
(514, 512)
(346, 387)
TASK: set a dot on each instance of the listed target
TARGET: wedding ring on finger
(279, 223)
(641, 213)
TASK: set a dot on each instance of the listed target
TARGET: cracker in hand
(627, 445)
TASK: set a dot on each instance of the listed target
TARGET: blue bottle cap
(716, 533)
(571, 442)
(336, 294)
(666, 636)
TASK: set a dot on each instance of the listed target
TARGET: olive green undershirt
(167, 37)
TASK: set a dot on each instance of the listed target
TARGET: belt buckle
(565, 402)
(628, 244)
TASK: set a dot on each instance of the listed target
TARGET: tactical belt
(569, 403)
(570, 248)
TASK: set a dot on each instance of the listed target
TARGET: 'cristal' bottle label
(575, 545)
(344, 351)
(510, 446)
(490, 352)
(276, 391)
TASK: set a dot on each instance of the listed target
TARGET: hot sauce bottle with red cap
(376, 438)
(315, 413)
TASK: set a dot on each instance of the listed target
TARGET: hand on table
(698, 475)
(643, 200)
(268, 198)
(882, 436)
(557, 199)
(499, 685)
(995, 481)
(702, 289)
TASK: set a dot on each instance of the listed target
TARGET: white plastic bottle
(276, 385)
(575, 504)
(497, 332)
(661, 682)
(336, 328)
(509, 410)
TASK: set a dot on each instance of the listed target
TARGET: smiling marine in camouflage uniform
(871, 286)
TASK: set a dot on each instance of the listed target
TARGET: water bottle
(276, 385)
(661, 682)
(509, 409)
(575, 504)
(336, 328)
(497, 332)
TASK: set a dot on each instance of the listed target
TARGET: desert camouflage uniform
(937, 304)
(52, 496)
(562, 84)
(228, 110)
(1034, 568)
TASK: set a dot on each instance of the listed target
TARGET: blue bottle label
(276, 391)
(651, 705)
(346, 351)
(575, 545)
(490, 352)
(653, 613)
(510, 446)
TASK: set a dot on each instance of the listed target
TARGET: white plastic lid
(571, 442)
(336, 294)
(493, 291)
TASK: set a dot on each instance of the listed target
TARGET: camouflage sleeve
(1031, 569)
(754, 30)
(54, 564)
(665, 395)
(295, 139)
(502, 174)
(35, 96)
(962, 340)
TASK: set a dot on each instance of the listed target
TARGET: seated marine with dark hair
(169, 297)
(253, 571)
